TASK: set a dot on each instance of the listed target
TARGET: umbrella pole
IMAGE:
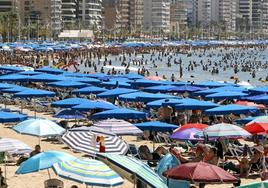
(5, 169)
(49, 176)
(134, 183)
(34, 108)
(21, 107)
(153, 141)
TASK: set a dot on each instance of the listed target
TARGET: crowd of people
(151, 61)
(147, 60)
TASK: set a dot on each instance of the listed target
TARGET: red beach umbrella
(247, 103)
(201, 173)
(257, 127)
(199, 126)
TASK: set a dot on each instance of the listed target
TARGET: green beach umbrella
(255, 185)
(88, 171)
(133, 169)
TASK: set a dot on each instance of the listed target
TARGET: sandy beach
(36, 180)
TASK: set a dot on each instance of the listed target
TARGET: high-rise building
(90, 12)
(178, 15)
(123, 15)
(253, 15)
(228, 14)
(136, 15)
(69, 11)
(109, 14)
(209, 12)
(86, 13)
(7, 5)
(205, 12)
(156, 16)
(45, 13)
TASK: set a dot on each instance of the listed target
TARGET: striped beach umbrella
(88, 171)
(226, 130)
(83, 139)
(119, 127)
(133, 169)
(13, 146)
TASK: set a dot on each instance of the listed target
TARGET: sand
(36, 180)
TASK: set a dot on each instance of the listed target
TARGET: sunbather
(211, 156)
(145, 153)
(246, 164)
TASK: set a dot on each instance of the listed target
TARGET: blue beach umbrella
(90, 105)
(29, 73)
(226, 95)
(196, 105)
(149, 97)
(253, 97)
(50, 70)
(97, 75)
(6, 86)
(11, 68)
(156, 126)
(163, 102)
(158, 89)
(87, 80)
(67, 84)
(185, 88)
(212, 84)
(89, 90)
(39, 128)
(259, 90)
(69, 102)
(34, 93)
(31, 93)
(219, 90)
(115, 92)
(8, 117)
(174, 102)
(131, 97)
(14, 89)
(45, 78)
(231, 109)
(69, 114)
(261, 99)
(111, 84)
(120, 113)
(43, 161)
(88, 171)
(14, 78)
(133, 76)
(147, 83)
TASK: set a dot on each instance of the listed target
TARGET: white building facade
(156, 16)
(90, 12)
